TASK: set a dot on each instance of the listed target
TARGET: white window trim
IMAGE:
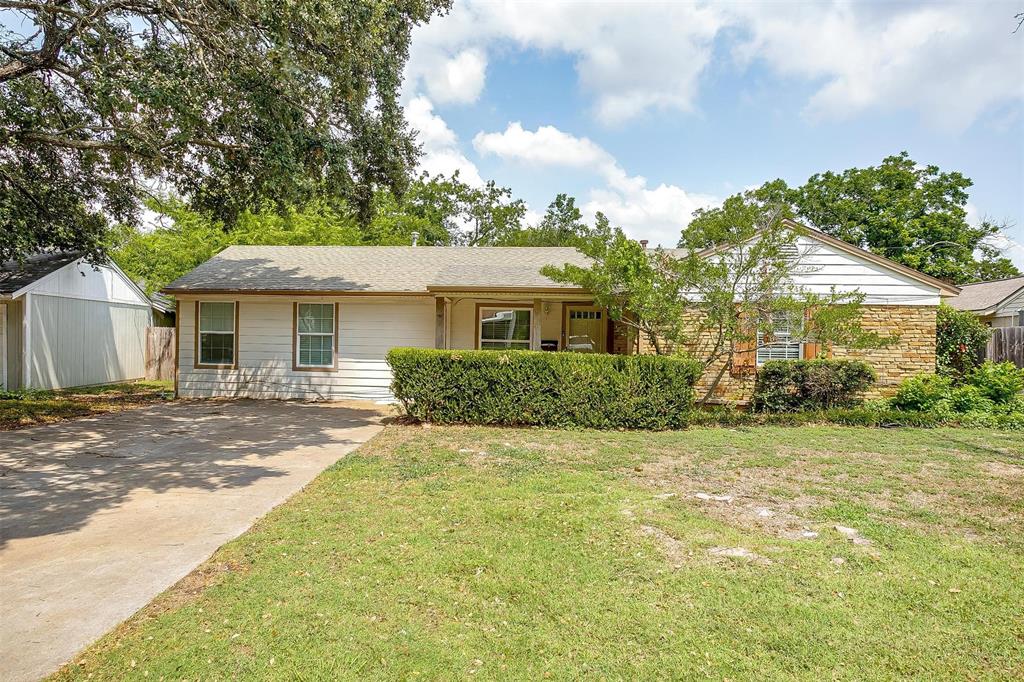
(200, 332)
(525, 344)
(760, 361)
(333, 334)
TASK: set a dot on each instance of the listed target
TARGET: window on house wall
(216, 333)
(502, 328)
(780, 345)
(314, 326)
(1020, 317)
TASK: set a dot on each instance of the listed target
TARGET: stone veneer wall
(912, 353)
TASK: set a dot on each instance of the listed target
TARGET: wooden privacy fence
(159, 352)
(1007, 345)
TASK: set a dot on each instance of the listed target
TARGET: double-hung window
(505, 328)
(216, 333)
(780, 345)
(315, 335)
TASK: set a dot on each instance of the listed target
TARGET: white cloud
(441, 153)
(632, 57)
(657, 213)
(948, 62)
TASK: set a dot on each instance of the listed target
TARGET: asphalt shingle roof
(14, 275)
(374, 268)
(985, 295)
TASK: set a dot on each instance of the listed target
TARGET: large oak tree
(911, 213)
(229, 103)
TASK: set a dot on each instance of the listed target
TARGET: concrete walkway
(100, 515)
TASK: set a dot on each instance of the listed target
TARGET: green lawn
(39, 407)
(524, 554)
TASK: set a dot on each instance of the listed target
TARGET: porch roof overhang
(445, 290)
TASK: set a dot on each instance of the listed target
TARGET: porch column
(535, 336)
(439, 322)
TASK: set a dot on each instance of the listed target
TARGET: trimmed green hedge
(799, 385)
(532, 388)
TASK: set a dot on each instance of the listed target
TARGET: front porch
(475, 320)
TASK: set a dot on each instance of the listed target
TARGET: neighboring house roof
(376, 269)
(162, 303)
(15, 276)
(984, 296)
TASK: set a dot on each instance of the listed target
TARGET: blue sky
(647, 111)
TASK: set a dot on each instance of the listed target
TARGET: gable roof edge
(950, 289)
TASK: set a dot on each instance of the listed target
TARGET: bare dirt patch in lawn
(779, 494)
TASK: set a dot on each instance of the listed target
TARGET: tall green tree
(184, 237)
(439, 210)
(229, 104)
(913, 214)
(445, 211)
(562, 225)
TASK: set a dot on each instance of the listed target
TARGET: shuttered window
(780, 345)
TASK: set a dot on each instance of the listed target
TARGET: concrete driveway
(100, 515)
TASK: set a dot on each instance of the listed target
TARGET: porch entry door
(586, 329)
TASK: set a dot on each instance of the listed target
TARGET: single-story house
(65, 322)
(317, 321)
(999, 303)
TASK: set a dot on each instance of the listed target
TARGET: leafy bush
(798, 385)
(922, 392)
(544, 389)
(992, 398)
(969, 399)
(960, 339)
(999, 382)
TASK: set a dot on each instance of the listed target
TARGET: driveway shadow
(54, 478)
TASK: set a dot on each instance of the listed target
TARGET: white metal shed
(65, 322)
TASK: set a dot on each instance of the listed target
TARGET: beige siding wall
(368, 328)
(78, 342)
(464, 326)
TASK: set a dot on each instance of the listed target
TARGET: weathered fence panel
(159, 352)
(1007, 345)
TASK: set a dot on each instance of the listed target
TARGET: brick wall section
(912, 354)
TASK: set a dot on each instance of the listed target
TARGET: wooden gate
(159, 352)
(1007, 345)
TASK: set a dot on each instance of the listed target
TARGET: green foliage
(969, 399)
(644, 292)
(156, 257)
(922, 392)
(960, 339)
(233, 105)
(543, 389)
(562, 225)
(799, 385)
(993, 396)
(445, 211)
(437, 209)
(1000, 382)
(913, 214)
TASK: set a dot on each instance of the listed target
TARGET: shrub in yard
(960, 339)
(999, 382)
(797, 385)
(922, 392)
(969, 399)
(544, 389)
